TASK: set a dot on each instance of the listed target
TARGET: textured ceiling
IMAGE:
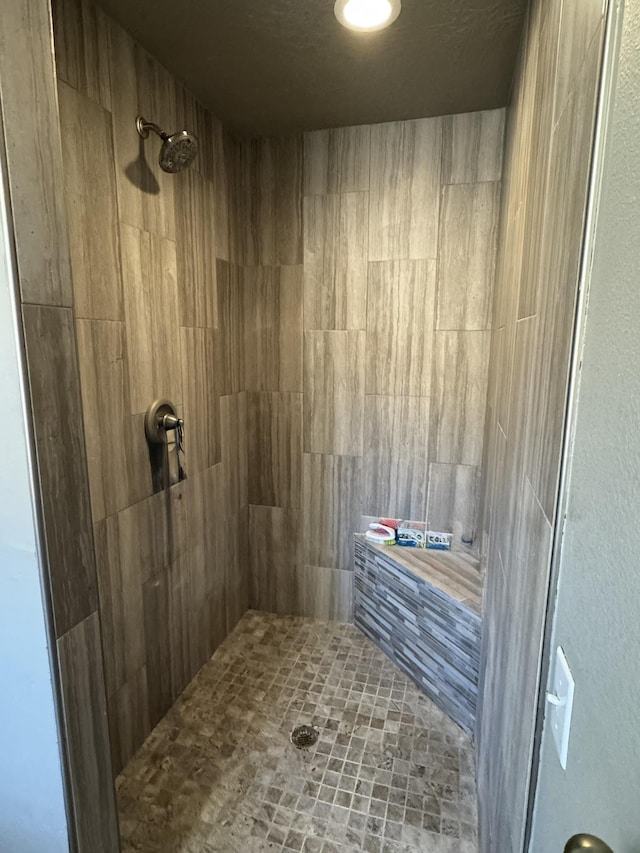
(278, 66)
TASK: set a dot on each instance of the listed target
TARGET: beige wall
(368, 269)
(547, 161)
(155, 316)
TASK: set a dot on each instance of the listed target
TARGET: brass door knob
(584, 841)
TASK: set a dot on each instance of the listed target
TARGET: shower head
(178, 149)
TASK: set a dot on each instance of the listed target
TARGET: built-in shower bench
(422, 607)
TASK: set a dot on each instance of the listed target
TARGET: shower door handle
(584, 841)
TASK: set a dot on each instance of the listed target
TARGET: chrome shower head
(178, 149)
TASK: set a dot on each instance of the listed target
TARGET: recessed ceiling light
(367, 15)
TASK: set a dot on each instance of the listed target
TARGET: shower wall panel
(158, 313)
(368, 259)
(547, 161)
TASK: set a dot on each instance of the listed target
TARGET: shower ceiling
(279, 66)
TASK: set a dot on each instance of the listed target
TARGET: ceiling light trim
(349, 21)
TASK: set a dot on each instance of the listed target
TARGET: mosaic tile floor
(389, 773)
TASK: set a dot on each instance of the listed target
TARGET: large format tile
(272, 312)
(565, 211)
(166, 601)
(274, 449)
(195, 249)
(128, 719)
(108, 431)
(151, 313)
(400, 321)
(200, 370)
(140, 86)
(274, 547)
(459, 397)
(466, 258)
(326, 593)
(337, 160)
(335, 261)
(271, 230)
(405, 189)
(396, 447)
(233, 414)
(121, 613)
(154, 532)
(90, 193)
(231, 326)
(81, 36)
(34, 155)
(57, 420)
(334, 392)
(453, 500)
(85, 716)
(472, 147)
(332, 507)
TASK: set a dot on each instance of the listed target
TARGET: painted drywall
(596, 618)
(32, 810)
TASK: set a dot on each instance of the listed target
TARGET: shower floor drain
(304, 736)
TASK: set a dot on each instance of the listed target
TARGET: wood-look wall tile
(195, 250)
(34, 153)
(191, 115)
(459, 397)
(334, 368)
(326, 593)
(472, 146)
(206, 512)
(129, 722)
(200, 369)
(466, 260)
(238, 569)
(90, 193)
(273, 328)
(121, 613)
(105, 408)
(140, 87)
(274, 547)
(81, 37)
(57, 420)
(580, 24)
(154, 532)
(337, 160)
(565, 211)
(231, 326)
(274, 449)
(91, 206)
(233, 414)
(454, 493)
(151, 312)
(223, 185)
(541, 132)
(405, 189)
(335, 261)
(272, 189)
(166, 598)
(85, 715)
(396, 447)
(332, 508)
(400, 321)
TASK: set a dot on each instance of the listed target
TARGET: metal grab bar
(583, 841)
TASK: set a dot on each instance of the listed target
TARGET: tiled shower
(354, 323)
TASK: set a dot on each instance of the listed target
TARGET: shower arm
(143, 127)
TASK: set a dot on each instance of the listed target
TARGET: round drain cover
(304, 736)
